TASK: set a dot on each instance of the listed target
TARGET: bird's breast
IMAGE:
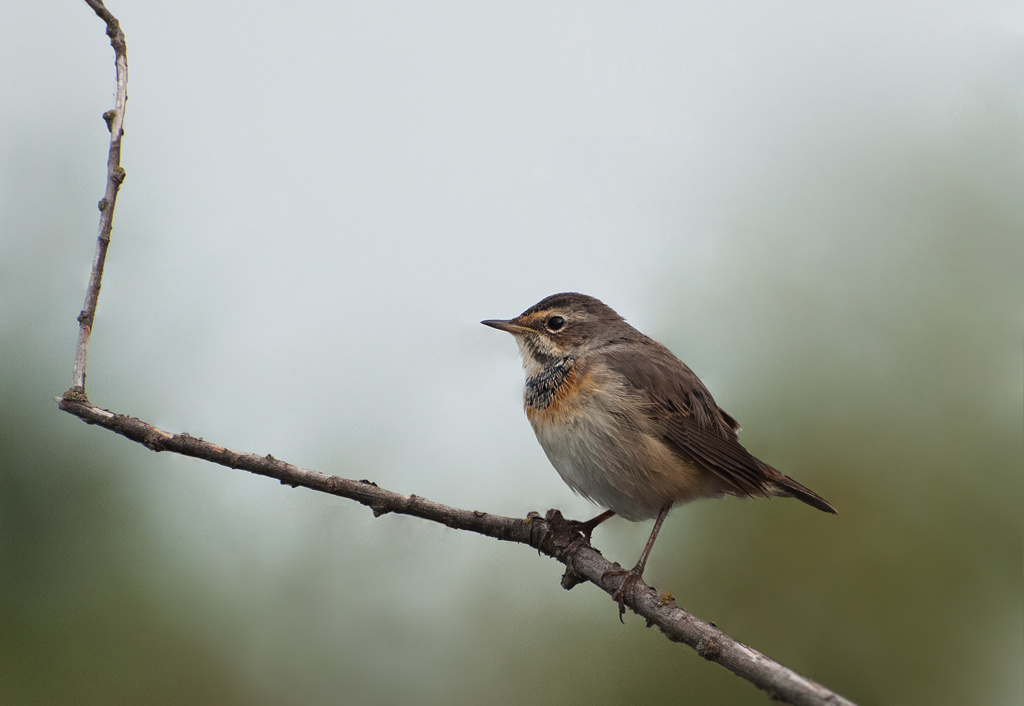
(596, 436)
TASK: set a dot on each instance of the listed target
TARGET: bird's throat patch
(542, 389)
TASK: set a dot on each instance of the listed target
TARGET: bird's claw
(633, 576)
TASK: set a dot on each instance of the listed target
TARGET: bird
(627, 424)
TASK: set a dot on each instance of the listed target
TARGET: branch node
(118, 175)
(108, 118)
(708, 650)
(102, 205)
(369, 482)
(75, 394)
(536, 523)
(563, 540)
(379, 509)
(571, 579)
(154, 441)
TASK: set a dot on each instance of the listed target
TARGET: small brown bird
(628, 425)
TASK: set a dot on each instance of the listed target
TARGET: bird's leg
(636, 573)
(565, 532)
(587, 528)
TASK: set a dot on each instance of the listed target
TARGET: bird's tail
(786, 487)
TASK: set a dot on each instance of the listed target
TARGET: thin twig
(551, 534)
(115, 175)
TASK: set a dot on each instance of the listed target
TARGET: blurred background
(819, 207)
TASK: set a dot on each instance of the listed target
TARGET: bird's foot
(633, 577)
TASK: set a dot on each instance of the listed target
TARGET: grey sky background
(805, 201)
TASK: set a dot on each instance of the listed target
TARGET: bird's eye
(555, 323)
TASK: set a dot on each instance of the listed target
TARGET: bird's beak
(509, 326)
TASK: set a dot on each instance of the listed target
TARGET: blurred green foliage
(78, 623)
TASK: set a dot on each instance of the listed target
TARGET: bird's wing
(684, 414)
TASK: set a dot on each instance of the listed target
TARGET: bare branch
(552, 534)
(115, 175)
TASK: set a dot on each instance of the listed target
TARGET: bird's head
(567, 325)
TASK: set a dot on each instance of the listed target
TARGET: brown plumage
(696, 428)
(626, 423)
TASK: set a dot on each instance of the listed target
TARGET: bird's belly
(602, 451)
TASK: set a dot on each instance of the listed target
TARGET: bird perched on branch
(628, 425)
